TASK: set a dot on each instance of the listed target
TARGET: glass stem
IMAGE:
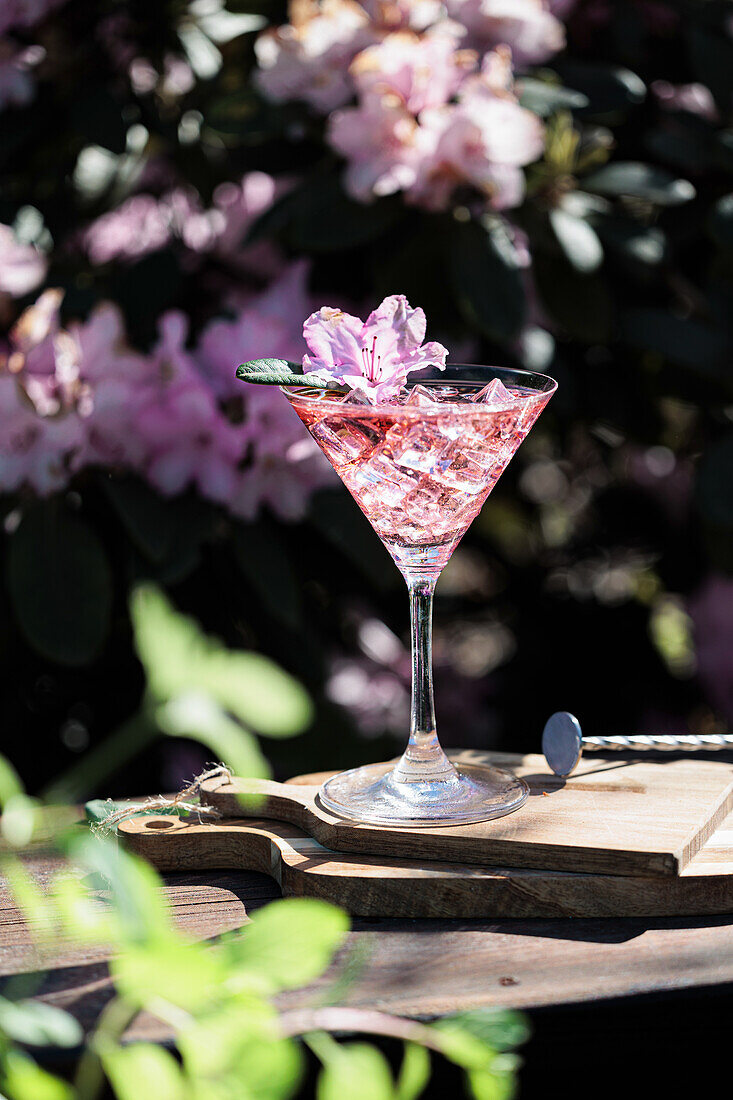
(423, 759)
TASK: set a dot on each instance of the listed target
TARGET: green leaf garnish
(279, 372)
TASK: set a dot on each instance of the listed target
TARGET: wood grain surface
(379, 887)
(611, 817)
(417, 968)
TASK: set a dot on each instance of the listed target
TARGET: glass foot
(372, 795)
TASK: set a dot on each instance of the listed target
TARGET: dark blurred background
(175, 199)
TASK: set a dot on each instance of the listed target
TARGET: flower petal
(334, 339)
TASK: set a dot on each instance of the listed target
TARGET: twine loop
(181, 801)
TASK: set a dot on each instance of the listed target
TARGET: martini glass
(420, 467)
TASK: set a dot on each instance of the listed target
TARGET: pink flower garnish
(373, 356)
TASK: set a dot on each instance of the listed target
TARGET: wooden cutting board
(369, 887)
(611, 817)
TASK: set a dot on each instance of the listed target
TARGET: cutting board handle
(240, 798)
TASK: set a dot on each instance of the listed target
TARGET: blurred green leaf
(711, 55)
(641, 244)
(184, 974)
(18, 821)
(544, 97)
(497, 1083)
(324, 219)
(22, 1079)
(487, 278)
(414, 1072)
(610, 89)
(97, 117)
(60, 584)
(461, 1046)
(640, 181)
(288, 944)
(720, 222)
(682, 341)
(237, 1049)
(261, 556)
(143, 1071)
(338, 518)
(224, 26)
(685, 142)
(140, 911)
(579, 303)
(10, 783)
(355, 1071)
(178, 658)
(200, 718)
(500, 1028)
(38, 909)
(250, 118)
(157, 527)
(578, 240)
(144, 290)
(715, 483)
(203, 56)
(37, 1024)
(212, 1043)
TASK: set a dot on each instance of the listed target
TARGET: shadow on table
(577, 929)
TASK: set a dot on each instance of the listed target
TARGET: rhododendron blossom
(309, 57)
(24, 13)
(80, 396)
(421, 71)
(382, 144)
(528, 27)
(417, 15)
(373, 356)
(17, 86)
(484, 140)
(697, 99)
(144, 224)
(22, 267)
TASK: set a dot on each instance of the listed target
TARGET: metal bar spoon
(563, 742)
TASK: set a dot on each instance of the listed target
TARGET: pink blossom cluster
(309, 57)
(435, 107)
(25, 13)
(710, 610)
(17, 86)
(80, 396)
(406, 136)
(144, 223)
(17, 62)
(22, 267)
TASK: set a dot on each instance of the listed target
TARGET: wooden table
(577, 977)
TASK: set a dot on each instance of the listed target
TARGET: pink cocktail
(420, 467)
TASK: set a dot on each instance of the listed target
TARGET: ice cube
(344, 440)
(449, 393)
(468, 471)
(424, 504)
(355, 397)
(378, 482)
(416, 446)
(495, 395)
(421, 396)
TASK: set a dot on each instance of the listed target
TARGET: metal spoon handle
(661, 741)
(563, 742)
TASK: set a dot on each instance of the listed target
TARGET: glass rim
(541, 385)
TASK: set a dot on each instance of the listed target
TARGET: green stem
(113, 1022)
(314, 1024)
